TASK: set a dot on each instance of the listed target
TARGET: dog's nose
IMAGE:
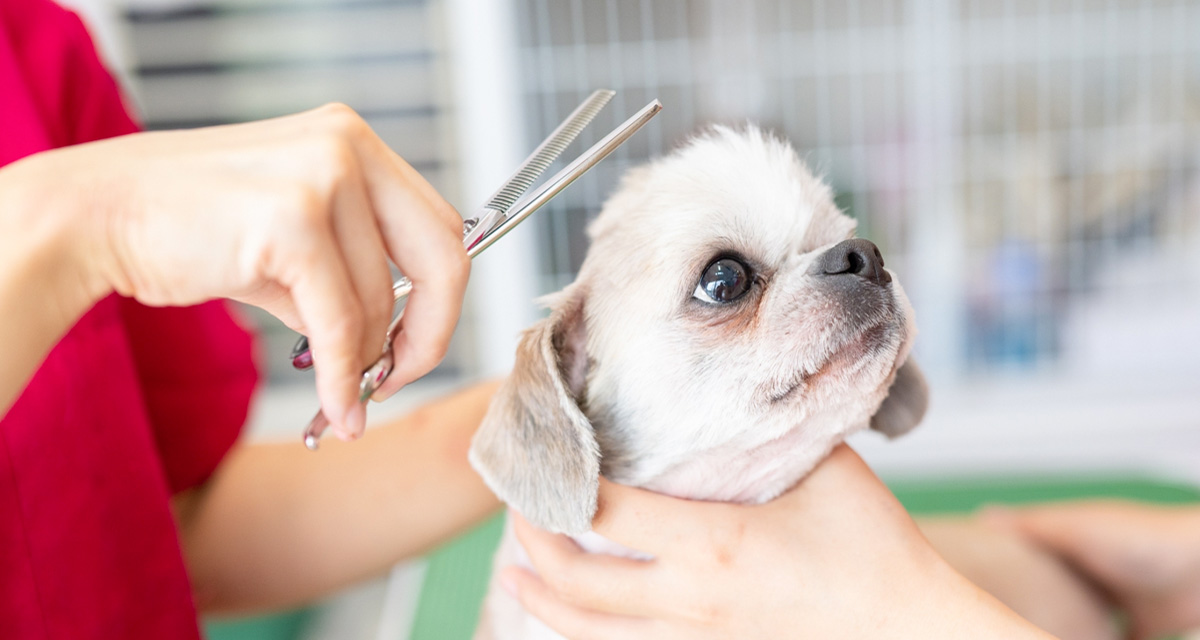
(857, 257)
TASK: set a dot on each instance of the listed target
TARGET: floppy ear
(905, 404)
(535, 449)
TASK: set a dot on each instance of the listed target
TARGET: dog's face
(724, 333)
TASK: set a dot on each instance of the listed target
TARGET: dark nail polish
(301, 356)
(302, 360)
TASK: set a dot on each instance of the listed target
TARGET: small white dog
(724, 334)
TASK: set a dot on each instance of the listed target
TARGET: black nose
(855, 257)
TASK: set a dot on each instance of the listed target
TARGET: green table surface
(457, 576)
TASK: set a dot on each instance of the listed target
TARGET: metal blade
(567, 175)
(548, 151)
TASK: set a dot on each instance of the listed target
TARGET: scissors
(504, 211)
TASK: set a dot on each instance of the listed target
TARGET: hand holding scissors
(504, 210)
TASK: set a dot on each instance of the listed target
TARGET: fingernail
(380, 396)
(509, 582)
(302, 360)
(301, 355)
(300, 346)
(353, 424)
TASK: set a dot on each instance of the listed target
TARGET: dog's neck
(740, 470)
(732, 473)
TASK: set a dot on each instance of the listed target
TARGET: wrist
(53, 229)
(48, 248)
(44, 285)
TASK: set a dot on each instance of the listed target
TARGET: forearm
(44, 288)
(955, 608)
(278, 525)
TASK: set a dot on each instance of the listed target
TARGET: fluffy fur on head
(636, 374)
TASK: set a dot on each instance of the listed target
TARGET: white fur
(679, 393)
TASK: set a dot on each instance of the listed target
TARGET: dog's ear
(905, 404)
(535, 448)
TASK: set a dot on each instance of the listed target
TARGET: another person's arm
(1146, 556)
(1034, 582)
(277, 526)
(837, 557)
(297, 215)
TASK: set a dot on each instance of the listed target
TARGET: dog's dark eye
(725, 280)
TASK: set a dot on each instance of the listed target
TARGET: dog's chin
(861, 353)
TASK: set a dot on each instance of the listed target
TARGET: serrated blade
(548, 151)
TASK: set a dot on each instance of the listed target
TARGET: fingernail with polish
(302, 360)
(301, 356)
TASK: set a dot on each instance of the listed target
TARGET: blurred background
(1029, 168)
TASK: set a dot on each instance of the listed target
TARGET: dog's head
(724, 333)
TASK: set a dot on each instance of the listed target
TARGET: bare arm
(278, 525)
(1145, 556)
(42, 291)
(297, 215)
(1039, 586)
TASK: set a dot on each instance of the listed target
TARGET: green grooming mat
(283, 626)
(942, 496)
(456, 581)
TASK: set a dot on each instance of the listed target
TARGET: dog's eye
(725, 280)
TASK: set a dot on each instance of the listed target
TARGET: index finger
(652, 522)
(594, 581)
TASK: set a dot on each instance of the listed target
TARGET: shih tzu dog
(725, 332)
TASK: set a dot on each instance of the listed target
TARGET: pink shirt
(133, 405)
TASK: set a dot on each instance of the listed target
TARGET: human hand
(837, 556)
(1146, 556)
(297, 215)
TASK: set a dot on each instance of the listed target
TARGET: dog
(725, 332)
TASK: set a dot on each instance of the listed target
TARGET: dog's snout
(857, 257)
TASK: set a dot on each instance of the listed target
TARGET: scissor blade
(492, 223)
(477, 240)
(567, 175)
(547, 152)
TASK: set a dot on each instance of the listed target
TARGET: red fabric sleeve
(59, 93)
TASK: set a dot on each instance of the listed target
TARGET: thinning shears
(505, 210)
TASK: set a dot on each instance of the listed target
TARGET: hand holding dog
(297, 215)
(835, 557)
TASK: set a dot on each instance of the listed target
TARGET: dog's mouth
(847, 356)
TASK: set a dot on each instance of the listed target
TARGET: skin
(811, 562)
(1147, 557)
(277, 526)
(297, 215)
(1033, 581)
(300, 215)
